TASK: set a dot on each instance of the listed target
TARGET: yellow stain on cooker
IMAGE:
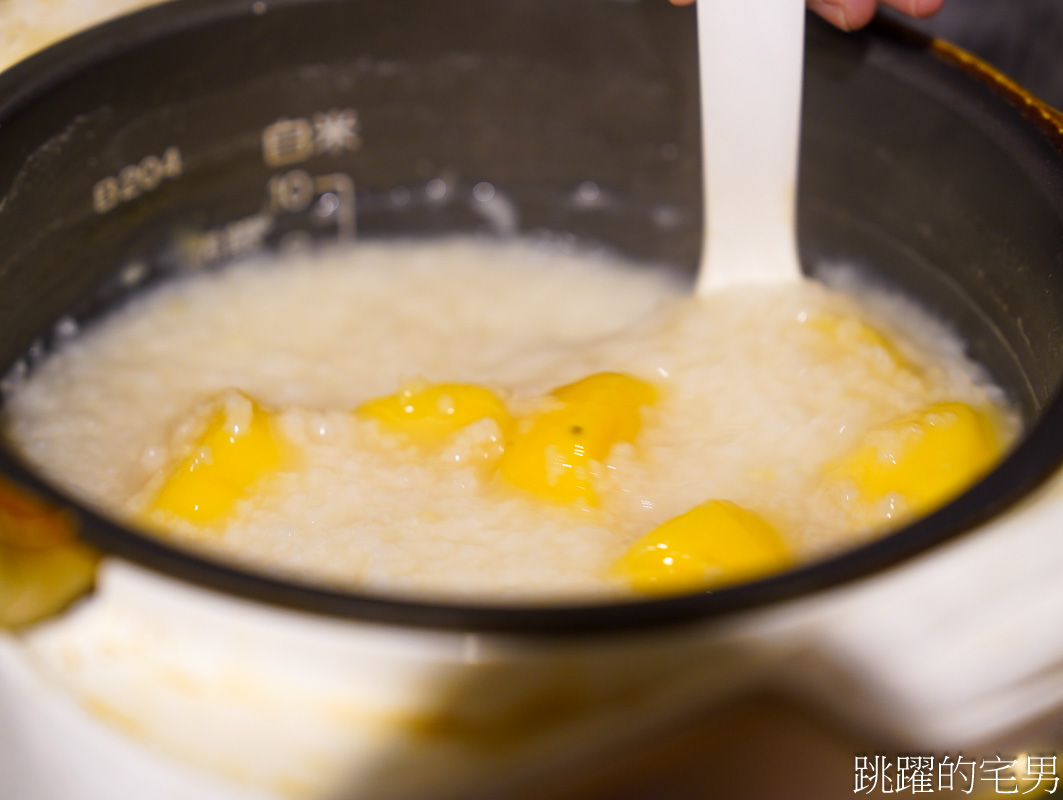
(429, 415)
(558, 453)
(236, 449)
(926, 457)
(712, 545)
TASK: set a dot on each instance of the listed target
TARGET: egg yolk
(926, 458)
(430, 415)
(236, 449)
(850, 332)
(714, 544)
(558, 453)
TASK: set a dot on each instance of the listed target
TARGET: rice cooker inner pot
(195, 133)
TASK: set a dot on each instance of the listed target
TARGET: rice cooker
(198, 132)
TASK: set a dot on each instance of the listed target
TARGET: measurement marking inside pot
(237, 238)
(321, 199)
(134, 180)
(293, 140)
(329, 196)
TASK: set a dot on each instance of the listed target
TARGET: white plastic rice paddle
(751, 55)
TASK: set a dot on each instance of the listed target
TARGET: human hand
(852, 14)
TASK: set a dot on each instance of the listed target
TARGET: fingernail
(834, 14)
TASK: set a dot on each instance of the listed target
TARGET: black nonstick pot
(201, 131)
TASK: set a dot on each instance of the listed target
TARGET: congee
(474, 419)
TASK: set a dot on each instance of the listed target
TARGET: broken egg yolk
(714, 544)
(429, 415)
(926, 458)
(236, 449)
(850, 332)
(558, 453)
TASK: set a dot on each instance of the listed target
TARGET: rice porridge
(473, 419)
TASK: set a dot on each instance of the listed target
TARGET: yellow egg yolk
(430, 415)
(850, 332)
(714, 544)
(558, 453)
(236, 449)
(926, 458)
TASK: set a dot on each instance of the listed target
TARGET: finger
(846, 14)
(916, 8)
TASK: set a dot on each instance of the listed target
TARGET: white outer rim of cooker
(952, 648)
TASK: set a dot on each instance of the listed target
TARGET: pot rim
(1026, 468)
